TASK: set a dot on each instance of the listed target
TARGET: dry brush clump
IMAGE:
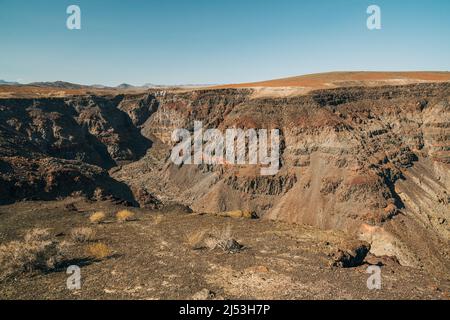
(195, 240)
(213, 239)
(37, 251)
(236, 214)
(98, 251)
(82, 234)
(97, 217)
(124, 216)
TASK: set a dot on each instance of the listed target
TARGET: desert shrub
(214, 239)
(36, 252)
(195, 239)
(211, 242)
(82, 234)
(124, 215)
(218, 238)
(36, 235)
(98, 194)
(98, 251)
(97, 217)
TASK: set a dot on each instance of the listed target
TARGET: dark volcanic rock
(51, 178)
(90, 129)
(51, 148)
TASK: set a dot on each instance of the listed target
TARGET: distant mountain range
(3, 82)
(58, 84)
(69, 85)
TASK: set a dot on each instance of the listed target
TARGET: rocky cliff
(373, 162)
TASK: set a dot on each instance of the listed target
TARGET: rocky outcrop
(90, 129)
(51, 178)
(52, 148)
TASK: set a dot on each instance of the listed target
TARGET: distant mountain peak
(125, 86)
(4, 82)
(58, 84)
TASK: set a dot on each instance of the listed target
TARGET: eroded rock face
(344, 151)
(50, 178)
(373, 162)
(351, 158)
(90, 129)
(52, 148)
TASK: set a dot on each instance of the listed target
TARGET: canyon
(370, 161)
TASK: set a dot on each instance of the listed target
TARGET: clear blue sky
(217, 41)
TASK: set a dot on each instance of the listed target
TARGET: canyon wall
(373, 162)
